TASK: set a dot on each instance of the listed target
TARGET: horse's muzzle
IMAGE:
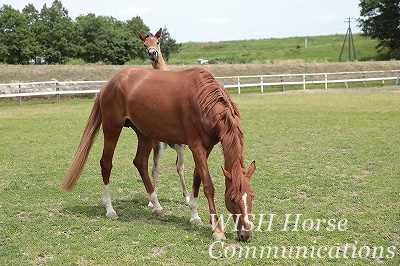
(244, 235)
(153, 55)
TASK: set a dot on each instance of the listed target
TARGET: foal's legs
(180, 150)
(141, 162)
(158, 149)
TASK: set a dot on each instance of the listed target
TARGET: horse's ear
(159, 33)
(252, 168)
(141, 36)
(227, 174)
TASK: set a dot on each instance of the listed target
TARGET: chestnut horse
(189, 107)
(152, 45)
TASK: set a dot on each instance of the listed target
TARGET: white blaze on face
(245, 214)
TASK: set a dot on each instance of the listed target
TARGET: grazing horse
(152, 45)
(189, 107)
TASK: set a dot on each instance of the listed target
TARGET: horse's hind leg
(141, 162)
(110, 141)
(180, 150)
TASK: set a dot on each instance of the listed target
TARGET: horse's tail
(88, 137)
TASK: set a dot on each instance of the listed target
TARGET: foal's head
(152, 44)
(239, 201)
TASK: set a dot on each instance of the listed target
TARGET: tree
(32, 16)
(168, 45)
(104, 39)
(16, 39)
(381, 20)
(132, 27)
(54, 33)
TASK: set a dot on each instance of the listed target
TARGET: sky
(221, 20)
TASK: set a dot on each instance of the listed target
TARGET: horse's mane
(211, 92)
(211, 96)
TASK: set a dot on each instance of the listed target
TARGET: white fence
(323, 79)
(234, 82)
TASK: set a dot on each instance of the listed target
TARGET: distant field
(320, 154)
(319, 48)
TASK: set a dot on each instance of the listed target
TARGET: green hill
(319, 48)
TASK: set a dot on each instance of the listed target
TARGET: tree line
(50, 36)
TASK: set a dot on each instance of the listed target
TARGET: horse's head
(239, 201)
(152, 44)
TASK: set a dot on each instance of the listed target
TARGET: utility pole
(351, 42)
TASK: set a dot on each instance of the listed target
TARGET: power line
(351, 41)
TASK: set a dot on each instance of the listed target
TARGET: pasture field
(319, 48)
(327, 184)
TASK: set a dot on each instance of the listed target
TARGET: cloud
(327, 18)
(132, 11)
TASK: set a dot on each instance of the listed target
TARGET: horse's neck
(160, 64)
(233, 154)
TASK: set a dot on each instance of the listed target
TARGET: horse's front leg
(141, 162)
(194, 214)
(202, 175)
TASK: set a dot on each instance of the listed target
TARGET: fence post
(20, 98)
(346, 85)
(238, 85)
(364, 82)
(262, 84)
(383, 81)
(57, 89)
(304, 81)
(283, 85)
(326, 81)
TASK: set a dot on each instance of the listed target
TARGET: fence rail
(57, 88)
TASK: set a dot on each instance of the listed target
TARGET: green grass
(327, 155)
(319, 48)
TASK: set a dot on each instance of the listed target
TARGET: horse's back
(161, 104)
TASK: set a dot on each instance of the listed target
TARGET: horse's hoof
(219, 237)
(196, 222)
(150, 205)
(159, 213)
(112, 215)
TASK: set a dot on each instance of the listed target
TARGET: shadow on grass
(137, 211)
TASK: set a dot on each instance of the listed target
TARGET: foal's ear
(252, 168)
(141, 36)
(159, 33)
(227, 174)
